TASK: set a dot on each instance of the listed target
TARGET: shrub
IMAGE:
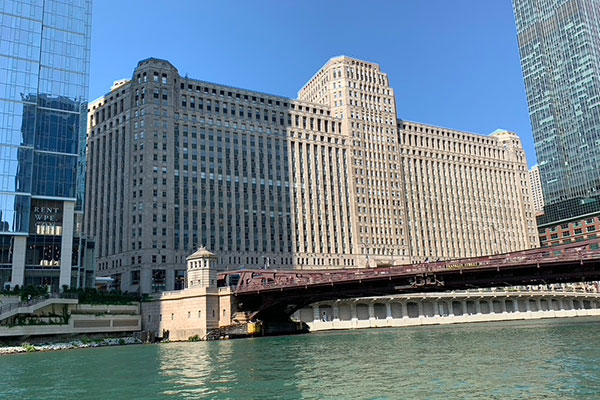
(194, 338)
(29, 347)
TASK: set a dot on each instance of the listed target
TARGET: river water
(552, 359)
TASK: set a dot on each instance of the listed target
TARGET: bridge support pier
(436, 309)
(538, 303)
(450, 308)
(388, 310)
(464, 307)
(503, 306)
(371, 311)
(336, 312)
(316, 315)
(404, 309)
(353, 311)
(491, 306)
(478, 306)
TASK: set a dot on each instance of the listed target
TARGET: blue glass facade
(559, 44)
(44, 67)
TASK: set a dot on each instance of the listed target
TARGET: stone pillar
(503, 306)
(353, 311)
(538, 302)
(316, 315)
(527, 305)
(436, 308)
(170, 277)
(336, 312)
(491, 306)
(18, 262)
(420, 307)
(404, 309)
(571, 304)
(66, 246)
(125, 281)
(560, 303)
(388, 310)
(371, 311)
(516, 305)
(146, 280)
(450, 309)
(478, 306)
(464, 307)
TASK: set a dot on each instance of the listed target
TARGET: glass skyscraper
(559, 43)
(44, 69)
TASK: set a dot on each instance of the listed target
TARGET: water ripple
(533, 360)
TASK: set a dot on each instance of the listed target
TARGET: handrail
(11, 306)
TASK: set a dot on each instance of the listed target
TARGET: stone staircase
(29, 307)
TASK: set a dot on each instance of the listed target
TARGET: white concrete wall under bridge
(448, 308)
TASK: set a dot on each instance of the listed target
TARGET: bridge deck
(255, 281)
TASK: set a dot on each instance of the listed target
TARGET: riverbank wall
(447, 308)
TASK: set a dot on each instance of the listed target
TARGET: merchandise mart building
(44, 67)
(331, 180)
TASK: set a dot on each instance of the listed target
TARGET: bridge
(273, 295)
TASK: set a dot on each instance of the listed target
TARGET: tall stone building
(559, 43)
(44, 68)
(466, 194)
(266, 181)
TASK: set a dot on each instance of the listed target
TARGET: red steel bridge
(273, 295)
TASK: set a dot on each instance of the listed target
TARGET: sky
(453, 64)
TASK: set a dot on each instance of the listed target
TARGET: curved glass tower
(559, 44)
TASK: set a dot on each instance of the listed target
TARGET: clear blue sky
(452, 63)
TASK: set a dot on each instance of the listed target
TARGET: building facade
(559, 44)
(536, 190)
(466, 194)
(44, 68)
(266, 181)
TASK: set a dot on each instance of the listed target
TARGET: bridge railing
(250, 280)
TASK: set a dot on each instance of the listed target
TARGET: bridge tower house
(201, 269)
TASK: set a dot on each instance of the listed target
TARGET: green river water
(552, 359)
